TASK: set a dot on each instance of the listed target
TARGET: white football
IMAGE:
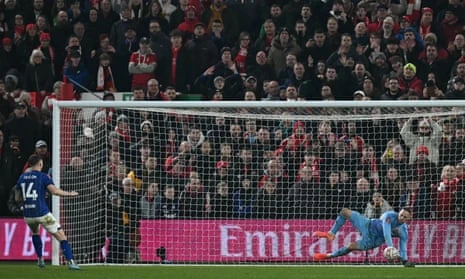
(391, 253)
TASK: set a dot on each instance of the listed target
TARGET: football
(391, 253)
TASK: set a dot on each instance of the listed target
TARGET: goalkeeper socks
(341, 252)
(37, 242)
(340, 220)
(66, 250)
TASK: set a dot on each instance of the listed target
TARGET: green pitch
(29, 271)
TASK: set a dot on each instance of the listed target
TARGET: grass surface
(28, 270)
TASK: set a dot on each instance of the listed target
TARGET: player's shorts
(362, 224)
(47, 221)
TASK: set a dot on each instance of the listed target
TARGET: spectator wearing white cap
(41, 149)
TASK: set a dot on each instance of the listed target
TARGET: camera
(337, 13)
(430, 83)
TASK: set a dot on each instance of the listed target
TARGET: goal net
(250, 182)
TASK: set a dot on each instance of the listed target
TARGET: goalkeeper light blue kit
(33, 185)
(375, 231)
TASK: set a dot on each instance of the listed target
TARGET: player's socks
(325, 235)
(341, 252)
(320, 256)
(66, 250)
(37, 242)
(340, 220)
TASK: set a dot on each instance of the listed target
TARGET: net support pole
(56, 176)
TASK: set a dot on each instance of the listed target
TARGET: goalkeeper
(374, 233)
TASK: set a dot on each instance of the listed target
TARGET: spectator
(150, 202)
(431, 89)
(142, 64)
(335, 193)
(221, 206)
(105, 79)
(60, 36)
(409, 80)
(38, 76)
(119, 28)
(362, 194)
(377, 206)
(263, 42)
(154, 14)
(444, 194)
(427, 135)
(458, 91)
(169, 204)
(24, 127)
(76, 72)
(392, 187)
(6, 103)
(107, 16)
(245, 199)
(218, 10)
(201, 53)
(242, 53)
(193, 199)
(29, 42)
(11, 166)
(190, 21)
(282, 45)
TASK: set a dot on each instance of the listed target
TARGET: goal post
(250, 182)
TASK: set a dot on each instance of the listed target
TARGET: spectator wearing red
(105, 80)
(381, 14)
(142, 64)
(179, 165)
(47, 49)
(29, 42)
(9, 57)
(263, 43)
(242, 54)
(176, 56)
(444, 193)
(409, 80)
(190, 21)
(426, 25)
(443, 54)
(19, 28)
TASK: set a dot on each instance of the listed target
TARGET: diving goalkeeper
(374, 233)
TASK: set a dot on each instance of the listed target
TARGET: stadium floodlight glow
(251, 182)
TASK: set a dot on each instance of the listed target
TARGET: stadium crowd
(176, 166)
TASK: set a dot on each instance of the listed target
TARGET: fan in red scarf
(122, 128)
(298, 140)
(444, 193)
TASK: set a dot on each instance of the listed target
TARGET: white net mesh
(237, 184)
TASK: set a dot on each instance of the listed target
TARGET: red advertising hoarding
(233, 241)
(288, 241)
(16, 241)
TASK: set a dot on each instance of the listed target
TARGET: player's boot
(40, 263)
(320, 256)
(73, 266)
(326, 235)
